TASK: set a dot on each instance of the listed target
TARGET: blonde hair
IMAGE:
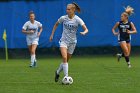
(76, 7)
(128, 11)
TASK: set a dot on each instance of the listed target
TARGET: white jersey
(70, 27)
(30, 26)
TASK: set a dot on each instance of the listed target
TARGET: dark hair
(31, 12)
(77, 7)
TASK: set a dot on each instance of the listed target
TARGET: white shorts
(31, 41)
(70, 47)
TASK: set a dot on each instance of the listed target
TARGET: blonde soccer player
(30, 28)
(126, 28)
(68, 40)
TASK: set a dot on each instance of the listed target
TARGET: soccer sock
(32, 59)
(127, 60)
(60, 68)
(35, 58)
(122, 54)
(65, 69)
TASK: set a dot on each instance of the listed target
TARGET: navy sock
(127, 59)
(123, 55)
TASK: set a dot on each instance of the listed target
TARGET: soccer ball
(67, 80)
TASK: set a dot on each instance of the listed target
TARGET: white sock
(32, 59)
(35, 58)
(65, 69)
(60, 68)
(128, 63)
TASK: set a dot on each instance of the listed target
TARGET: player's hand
(51, 38)
(82, 33)
(116, 33)
(38, 34)
(31, 31)
(128, 31)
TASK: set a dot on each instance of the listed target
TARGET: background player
(30, 28)
(126, 28)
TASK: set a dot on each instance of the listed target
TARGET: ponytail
(129, 10)
(77, 8)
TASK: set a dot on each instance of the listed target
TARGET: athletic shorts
(70, 46)
(124, 39)
(31, 41)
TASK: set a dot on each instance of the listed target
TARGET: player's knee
(32, 52)
(126, 53)
(65, 58)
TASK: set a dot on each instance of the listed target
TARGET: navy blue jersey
(123, 35)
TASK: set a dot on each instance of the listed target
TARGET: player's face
(123, 17)
(70, 10)
(32, 17)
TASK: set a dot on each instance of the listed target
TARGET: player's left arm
(81, 22)
(85, 30)
(41, 29)
(39, 33)
(133, 29)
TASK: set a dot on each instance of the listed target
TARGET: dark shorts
(127, 40)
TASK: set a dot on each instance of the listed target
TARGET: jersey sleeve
(61, 19)
(25, 26)
(39, 24)
(80, 21)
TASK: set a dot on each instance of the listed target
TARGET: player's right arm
(27, 32)
(24, 29)
(60, 20)
(114, 28)
(53, 31)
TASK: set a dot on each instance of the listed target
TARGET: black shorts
(127, 40)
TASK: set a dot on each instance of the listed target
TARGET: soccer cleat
(119, 56)
(31, 66)
(56, 77)
(129, 66)
(35, 65)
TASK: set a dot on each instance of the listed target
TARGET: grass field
(99, 74)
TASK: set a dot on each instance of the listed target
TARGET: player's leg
(33, 54)
(70, 51)
(30, 50)
(129, 48)
(35, 42)
(33, 50)
(120, 54)
(29, 43)
(129, 51)
(64, 57)
(125, 49)
(68, 57)
(63, 50)
(64, 65)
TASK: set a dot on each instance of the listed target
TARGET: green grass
(98, 74)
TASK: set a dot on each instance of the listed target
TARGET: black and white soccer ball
(67, 80)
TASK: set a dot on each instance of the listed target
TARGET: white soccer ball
(67, 80)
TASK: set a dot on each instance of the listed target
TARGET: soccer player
(68, 40)
(126, 28)
(30, 28)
